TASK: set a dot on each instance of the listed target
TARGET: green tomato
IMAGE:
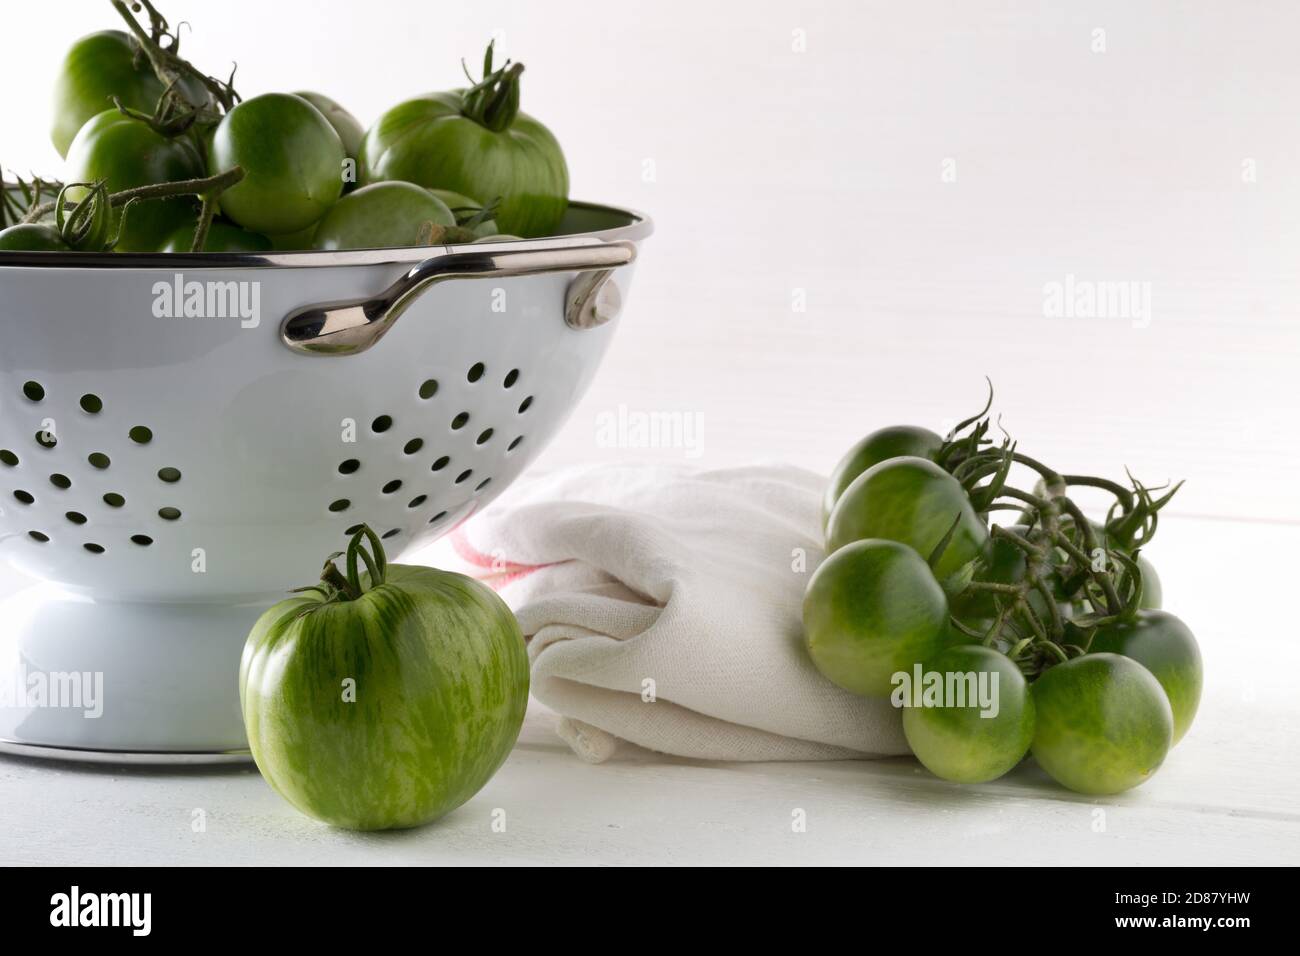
(222, 237)
(295, 241)
(881, 445)
(32, 237)
(292, 160)
(1102, 723)
(873, 609)
(349, 128)
(1165, 646)
(914, 501)
(390, 709)
(449, 141)
(127, 153)
(972, 743)
(381, 215)
(1153, 593)
(465, 209)
(99, 67)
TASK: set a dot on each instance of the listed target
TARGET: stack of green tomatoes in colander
(382, 695)
(161, 157)
(1005, 621)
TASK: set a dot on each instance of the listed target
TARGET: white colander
(172, 475)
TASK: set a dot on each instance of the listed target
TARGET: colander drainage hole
(382, 423)
(91, 404)
(417, 501)
(61, 481)
(429, 389)
(34, 391)
(438, 517)
(24, 496)
(441, 463)
(412, 446)
(459, 421)
(141, 435)
(512, 376)
(169, 475)
(392, 486)
(98, 460)
(38, 536)
(352, 530)
(46, 439)
(93, 548)
(392, 533)
(341, 505)
(483, 437)
(481, 485)
(143, 540)
(475, 372)
(76, 517)
(349, 467)
(464, 475)
(515, 444)
(8, 457)
(114, 500)
(169, 513)
(526, 404)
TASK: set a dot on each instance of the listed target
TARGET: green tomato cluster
(912, 603)
(448, 167)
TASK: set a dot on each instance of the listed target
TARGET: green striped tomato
(914, 501)
(1102, 723)
(384, 699)
(881, 445)
(476, 142)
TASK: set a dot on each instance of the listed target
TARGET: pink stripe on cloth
(499, 572)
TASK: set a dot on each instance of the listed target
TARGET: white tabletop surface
(1227, 794)
(782, 175)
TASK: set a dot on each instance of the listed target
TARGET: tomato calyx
(18, 198)
(337, 586)
(84, 226)
(435, 234)
(493, 101)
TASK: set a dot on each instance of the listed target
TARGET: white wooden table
(1228, 793)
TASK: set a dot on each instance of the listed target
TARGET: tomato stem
(349, 586)
(494, 100)
(167, 65)
(210, 185)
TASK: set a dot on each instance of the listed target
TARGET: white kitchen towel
(662, 607)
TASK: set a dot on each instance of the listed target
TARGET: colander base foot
(121, 682)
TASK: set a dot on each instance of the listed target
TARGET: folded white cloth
(662, 607)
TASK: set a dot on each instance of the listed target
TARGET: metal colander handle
(352, 326)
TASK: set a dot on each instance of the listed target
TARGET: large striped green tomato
(478, 143)
(383, 699)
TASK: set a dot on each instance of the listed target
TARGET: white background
(776, 170)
